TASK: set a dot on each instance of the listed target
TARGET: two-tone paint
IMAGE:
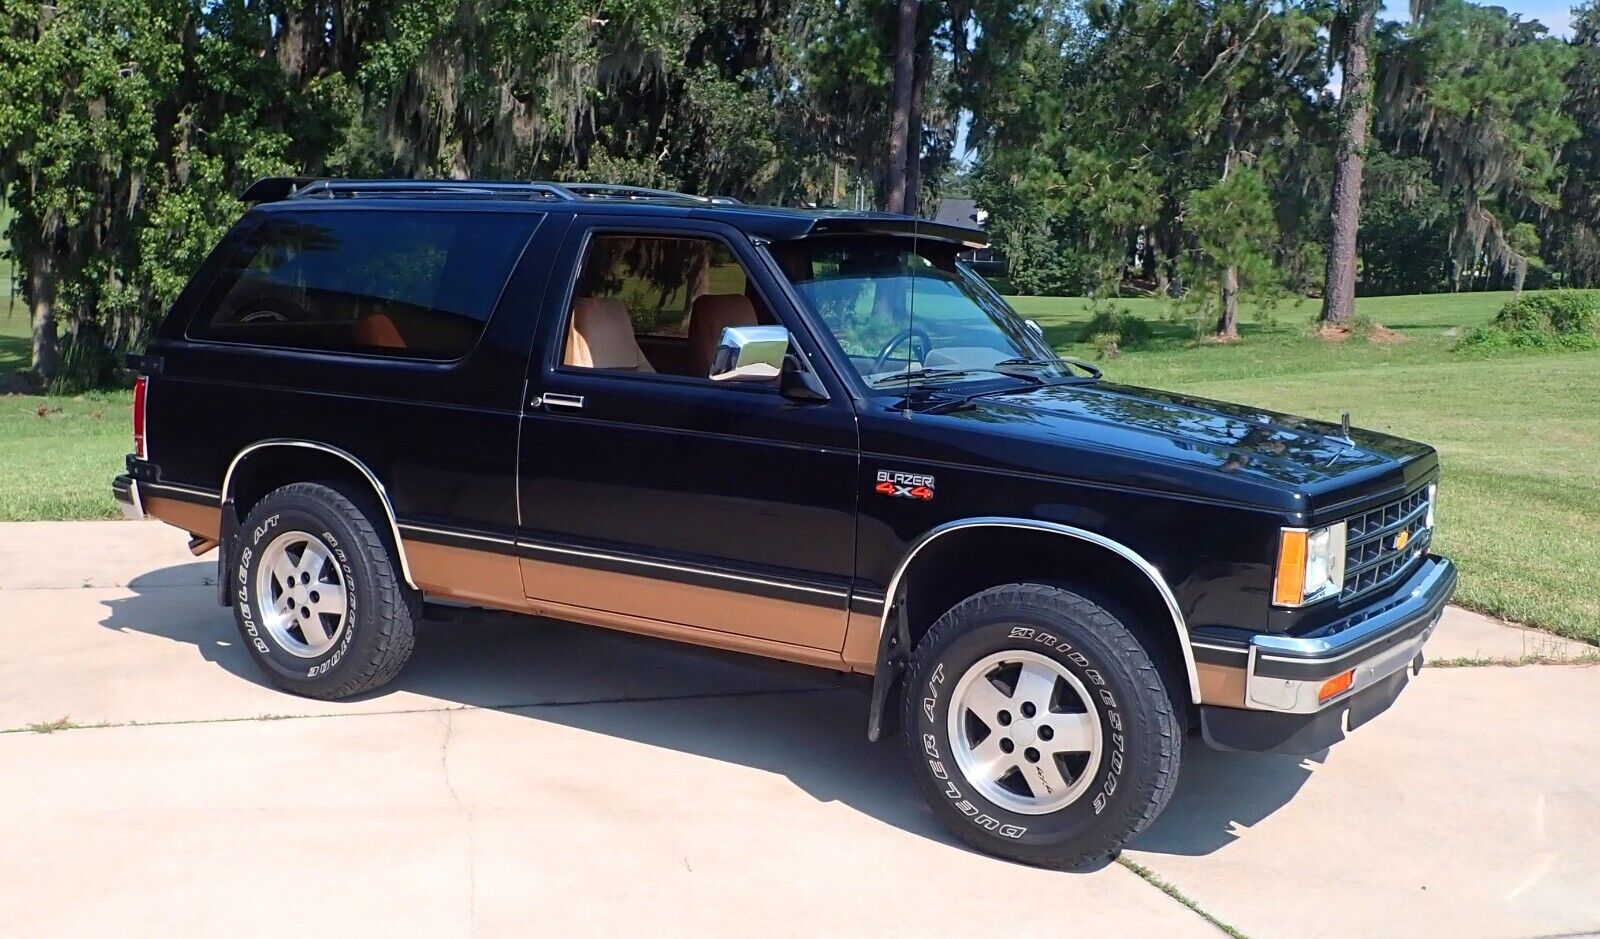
(735, 516)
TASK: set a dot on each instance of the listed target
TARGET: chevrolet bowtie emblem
(1401, 539)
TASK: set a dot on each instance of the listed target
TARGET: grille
(1371, 559)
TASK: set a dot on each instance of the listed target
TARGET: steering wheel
(912, 335)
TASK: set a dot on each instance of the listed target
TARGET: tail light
(140, 388)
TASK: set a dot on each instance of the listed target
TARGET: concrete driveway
(528, 777)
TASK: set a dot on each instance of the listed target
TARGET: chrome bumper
(125, 489)
(1286, 673)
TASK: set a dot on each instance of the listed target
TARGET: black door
(648, 490)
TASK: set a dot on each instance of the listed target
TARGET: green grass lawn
(1519, 435)
(57, 454)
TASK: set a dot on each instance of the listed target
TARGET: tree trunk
(905, 43)
(42, 300)
(1228, 322)
(1355, 117)
(919, 90)
(1519, 275)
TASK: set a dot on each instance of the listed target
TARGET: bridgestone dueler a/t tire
(1138, 763)
(380, 621)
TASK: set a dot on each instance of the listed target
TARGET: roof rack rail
(279, 188)
(333, 188)
(641, 192)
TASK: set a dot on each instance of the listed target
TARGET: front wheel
(1039, 729)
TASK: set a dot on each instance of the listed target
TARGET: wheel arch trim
(1116, 547)
(371, 478)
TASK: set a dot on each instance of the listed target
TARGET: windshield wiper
(950, 404)
(1035, 363)
(884, 381)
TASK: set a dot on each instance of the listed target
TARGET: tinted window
(399, 283)
(894, 307)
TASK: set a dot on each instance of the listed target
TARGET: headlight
(1433, 497)
(1310, 565)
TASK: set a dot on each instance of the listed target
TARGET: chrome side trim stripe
(371, 477)
(210, 495)
(1116, 547)
(458, 533)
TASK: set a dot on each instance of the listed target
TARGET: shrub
(1118, 326)
(1560, 319)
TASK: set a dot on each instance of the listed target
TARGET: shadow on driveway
(805, 724)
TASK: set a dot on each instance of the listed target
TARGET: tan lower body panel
(691, 634)
(203, 520)
(706, 608)
(861, 641)
(493, 579)
(1221, 684)
(486, 577)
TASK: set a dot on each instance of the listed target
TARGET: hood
(1229, 439)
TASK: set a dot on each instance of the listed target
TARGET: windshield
(905, 311)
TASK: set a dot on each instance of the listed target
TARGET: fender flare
(371, 478)
(883, 678)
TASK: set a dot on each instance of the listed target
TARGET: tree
(905, 47)
(1354, 29)
(1479, 93)
(1156, 103)
(1405, 227)
(1572, 231)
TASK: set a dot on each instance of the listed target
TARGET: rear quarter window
(379, 281)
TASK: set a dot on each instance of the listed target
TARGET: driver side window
(657, 304)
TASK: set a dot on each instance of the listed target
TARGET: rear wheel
(316, 595)
(1039, 728)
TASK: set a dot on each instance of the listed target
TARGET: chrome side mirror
(750, 353)
(1037, 329)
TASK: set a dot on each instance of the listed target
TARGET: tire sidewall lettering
(249, 617)
(950, 783)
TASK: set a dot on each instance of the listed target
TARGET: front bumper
(1381, 646)
(125, 489)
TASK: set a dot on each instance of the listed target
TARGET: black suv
(810, 435)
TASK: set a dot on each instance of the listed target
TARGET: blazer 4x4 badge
(904, 485)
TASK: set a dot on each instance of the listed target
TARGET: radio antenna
(911, 309)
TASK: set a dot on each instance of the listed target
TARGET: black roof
(773, 222)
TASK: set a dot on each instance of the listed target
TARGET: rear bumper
(1380, 647)
(125, 489)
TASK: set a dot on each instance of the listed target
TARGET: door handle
(557, 401)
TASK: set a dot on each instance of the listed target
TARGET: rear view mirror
(1037, 329)
(750, 353)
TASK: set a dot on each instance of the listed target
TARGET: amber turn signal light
(1288, 587)
(1335, 686)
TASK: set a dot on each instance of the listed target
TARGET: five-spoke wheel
(300, 592)
(1024, 731)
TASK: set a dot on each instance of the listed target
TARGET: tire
(1069, 678)
(351, 636)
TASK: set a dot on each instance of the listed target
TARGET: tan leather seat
(378, 331)
(601, 336)
(708, 317)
